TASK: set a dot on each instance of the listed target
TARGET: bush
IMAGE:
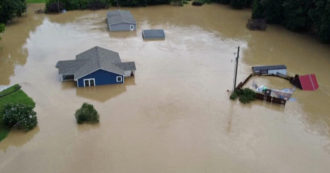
(87, 113)
(19, 116)
(245, 95)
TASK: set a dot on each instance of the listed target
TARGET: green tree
(87, 113)
(238, 4)
(324, 29)
(10, 9)
(258, 11)
(273, 10)
(295, 14)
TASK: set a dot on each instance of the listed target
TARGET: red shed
(308, 82)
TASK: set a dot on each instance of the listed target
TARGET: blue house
(96, 66)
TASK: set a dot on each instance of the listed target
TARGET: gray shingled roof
(269, 67)
(153, 34)
(92, 60)
(120, 16)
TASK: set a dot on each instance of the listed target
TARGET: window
(89, 82)
(86, 83)
(119, 79)
(92, 83)
(132, 27)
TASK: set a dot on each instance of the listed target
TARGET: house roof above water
(120, 16)
(92, 60)
(269, 67)
(153, 34)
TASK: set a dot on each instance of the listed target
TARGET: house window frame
(119, 79)
(131, 27)
(89, 82)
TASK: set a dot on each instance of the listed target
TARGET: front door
(89, 82)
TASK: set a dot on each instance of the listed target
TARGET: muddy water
(174, 116)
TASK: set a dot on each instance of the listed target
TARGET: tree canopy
(297, 15)
(10, 9)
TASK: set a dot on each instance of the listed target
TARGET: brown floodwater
(175, 115)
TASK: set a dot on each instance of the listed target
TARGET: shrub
(20, 116)
(233, 96)
(87, 113)
(245, 95)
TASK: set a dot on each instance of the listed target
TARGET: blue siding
(101, 78)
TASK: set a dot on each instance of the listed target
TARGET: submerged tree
(87, 113)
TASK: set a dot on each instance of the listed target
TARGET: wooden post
(236, 67)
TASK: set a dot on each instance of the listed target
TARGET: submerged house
(153, 34)
(121, 20)
(96, 66)
(269, 70)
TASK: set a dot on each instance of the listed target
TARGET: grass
(35, 1)
(12, 94)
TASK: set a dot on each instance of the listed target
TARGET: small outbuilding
(153, 34)
(96, 66)
(121, 20)
(269, 70)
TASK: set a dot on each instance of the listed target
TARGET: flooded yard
(175, 114)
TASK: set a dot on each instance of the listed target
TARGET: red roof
(308, 82)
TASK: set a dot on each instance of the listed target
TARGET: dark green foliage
(324, 29)
(240, 3)
(52, 5)
(198, 2)
(19, 116)
(233, 95)
(245, 95)
(223, 1)
(258, 11)
(273, 10)
(10, 9)
(2, 28)
(59, 5)
(87, 113)
(297, 15)
(320, 15)
(12, 95)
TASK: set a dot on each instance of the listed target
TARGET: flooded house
(270, 70)
(153, 34)
(121, 20)
(96, 66)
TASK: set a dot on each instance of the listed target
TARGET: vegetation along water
(174, 115)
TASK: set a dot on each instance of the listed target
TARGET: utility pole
(236, 67)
